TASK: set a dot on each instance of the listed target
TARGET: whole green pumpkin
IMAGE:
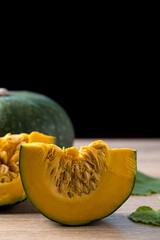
(25, 111)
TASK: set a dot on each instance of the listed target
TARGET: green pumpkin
(25, 111)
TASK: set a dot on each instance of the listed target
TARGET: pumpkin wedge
(75, 187)
(11, 190)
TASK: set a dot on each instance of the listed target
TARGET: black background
(104, 74)
(102, 106)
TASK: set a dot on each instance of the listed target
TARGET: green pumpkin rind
(24, 111)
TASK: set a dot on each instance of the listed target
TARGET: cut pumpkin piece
(40, 137)
(11, 190)
(75, 187)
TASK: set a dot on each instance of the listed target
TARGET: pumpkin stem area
(4, 92)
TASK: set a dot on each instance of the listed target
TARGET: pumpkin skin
(76, 188)
(11, 190)
(24, 111)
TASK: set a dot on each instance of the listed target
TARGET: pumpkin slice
(75, 187)
(40, 137)
(11, 190)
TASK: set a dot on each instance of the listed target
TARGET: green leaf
(145, 185)
(146, 215)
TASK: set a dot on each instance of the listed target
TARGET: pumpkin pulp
(11, 190)
(77, 187)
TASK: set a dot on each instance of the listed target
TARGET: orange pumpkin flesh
(77, 187)
(11, 190)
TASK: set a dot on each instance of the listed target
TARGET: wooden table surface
(22, 221)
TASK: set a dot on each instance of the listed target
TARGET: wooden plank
(22, 221)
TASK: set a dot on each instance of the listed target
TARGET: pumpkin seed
(95, 176)
(85, 189)
(3, 157)
(87, 176)
(12, 175)
(67, 176)
(62, 187)
(77, 169)
(70, 195)
(3, 169)
(79, 185)
(5, 179)
(14, 168)
(15, 157)
(88, 166)
(93, 185)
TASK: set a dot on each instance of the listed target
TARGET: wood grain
(22, 221)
